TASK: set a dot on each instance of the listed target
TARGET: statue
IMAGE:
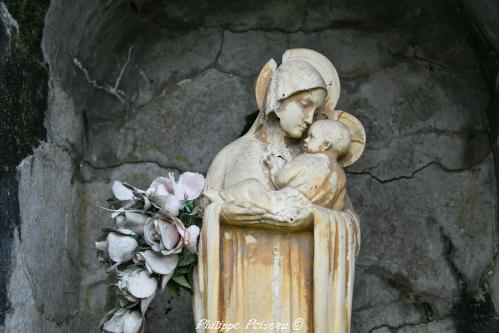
(280, 237)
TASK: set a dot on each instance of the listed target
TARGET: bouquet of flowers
(151, 246)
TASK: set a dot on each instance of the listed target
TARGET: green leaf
(136, 237)
(185, 218)
(182, 281)
(182, 270)
(195, 220)
(186, 259)
(188, 205)
(194, 211)
(172, 288)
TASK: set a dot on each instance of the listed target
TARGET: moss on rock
(23, 83)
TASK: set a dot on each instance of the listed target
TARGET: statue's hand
(244, 214)
(236, 212)
(305, 215)
(303, 220)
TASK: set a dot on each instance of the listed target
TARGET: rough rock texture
(43, 292)
(140, 88)
(484, 15)
(23, 88)
(23, 79)
(421, 256)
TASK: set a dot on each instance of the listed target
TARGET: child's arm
(275, 164)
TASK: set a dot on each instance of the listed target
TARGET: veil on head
(268, 93)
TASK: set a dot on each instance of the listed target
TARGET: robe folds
(254, 279)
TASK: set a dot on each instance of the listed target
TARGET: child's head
(328, 134)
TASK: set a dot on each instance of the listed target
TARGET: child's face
(315, 143)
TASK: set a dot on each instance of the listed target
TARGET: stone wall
(23, 92)
(140, 88)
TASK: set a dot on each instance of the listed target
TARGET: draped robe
(299, 280)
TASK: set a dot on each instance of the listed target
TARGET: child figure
(314, 177)
(317, 174)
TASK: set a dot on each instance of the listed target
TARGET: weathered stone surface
(63, 122)
(485, 14)
(378, 301)
(7, 23)
(286, 15)
(171, 315)
(158, 62)
(494, 284)
(23, 81)
(246, 52)
(43, 289)
(172, 130)
(434, 326)
(8, 183)
(94, 285)
(415, 116)
(348, 48)
(420, 243)
(25, 315)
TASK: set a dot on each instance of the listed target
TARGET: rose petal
(164, 280)
(159, 263)
(147, 203)
(121, 192)
(102, 246)
(191, 238)
(170, 236)
(179, 225)
(106, 317)
(144, 304)
(135, 222)
(177, 190)
(133, 322)
(160, 186)
(123, 321)
(140, 284)
(125, 293)
(120, 247)
(117, 212)
(150, 235)
(172, 204)
(125, 231)
(192, 183)
(116, 323)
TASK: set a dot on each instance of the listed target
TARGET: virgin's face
(297, 112)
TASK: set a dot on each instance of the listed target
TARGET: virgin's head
(296, 92)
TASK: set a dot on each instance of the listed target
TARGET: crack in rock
(113, 90)
(170, 85)
(398, 327)
(122, 163)
(401, 284)
(39, 308)
(415, 172)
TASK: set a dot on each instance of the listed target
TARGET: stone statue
(280, 237)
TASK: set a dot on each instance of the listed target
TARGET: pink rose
(165, 235)
(170, 194)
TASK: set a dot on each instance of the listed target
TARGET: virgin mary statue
(255, 271)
